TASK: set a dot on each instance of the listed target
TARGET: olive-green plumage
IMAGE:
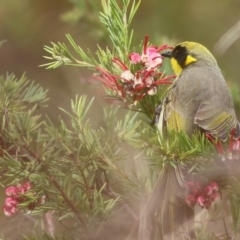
(199, 97)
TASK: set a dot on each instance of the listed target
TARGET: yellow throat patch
(177, 68)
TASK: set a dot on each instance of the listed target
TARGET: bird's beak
(167, 54)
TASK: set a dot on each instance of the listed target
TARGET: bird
(198, 100)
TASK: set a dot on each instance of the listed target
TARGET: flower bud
(201, 201)
(191, 200)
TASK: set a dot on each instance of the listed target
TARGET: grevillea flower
(139, 77)
(202, 195)
(15, 197)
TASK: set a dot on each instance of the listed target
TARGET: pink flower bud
(214, 185)
(12, 191)
(191, 200)
(154, 60)
(208, 190)
(201, 201)
(21, 190)
(27, 186)
(151, 50)
(134, 58)
(9, 211)
(11, 202)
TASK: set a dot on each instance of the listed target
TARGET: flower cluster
(229, 152)
(202, 195)
(14, 197)
(139, 77)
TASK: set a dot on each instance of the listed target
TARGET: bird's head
(187, 53)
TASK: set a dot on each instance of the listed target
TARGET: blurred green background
(28, 25)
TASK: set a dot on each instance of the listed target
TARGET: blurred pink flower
(214, 185)
(27, 186)
(191, 200)
(9, 211)
(15, 197)
(201, 201)
(202, 195)
(11, 202)
(208, 190)
(12, 191)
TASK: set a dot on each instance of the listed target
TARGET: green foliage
(116, 21)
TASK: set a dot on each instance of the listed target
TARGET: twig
(225, 228)
(56, 184)
(108, 191)
(227, 39)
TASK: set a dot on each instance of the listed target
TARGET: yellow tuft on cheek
(189, 60)
(176, 67)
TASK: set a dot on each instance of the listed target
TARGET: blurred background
(28, 25)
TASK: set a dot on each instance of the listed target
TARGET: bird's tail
(165, 215)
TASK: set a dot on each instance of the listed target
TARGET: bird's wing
(215, 121)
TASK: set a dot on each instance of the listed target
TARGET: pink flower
(201, 201)
(154, 60)
(15, 197)
(208, 190)
(150, 57)
(135, 82)
(11, 202)
(214, 186)
(191, 200)
(12, 191)
(9, 211)
(134, 58)
(204, 195)
(27, 186)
